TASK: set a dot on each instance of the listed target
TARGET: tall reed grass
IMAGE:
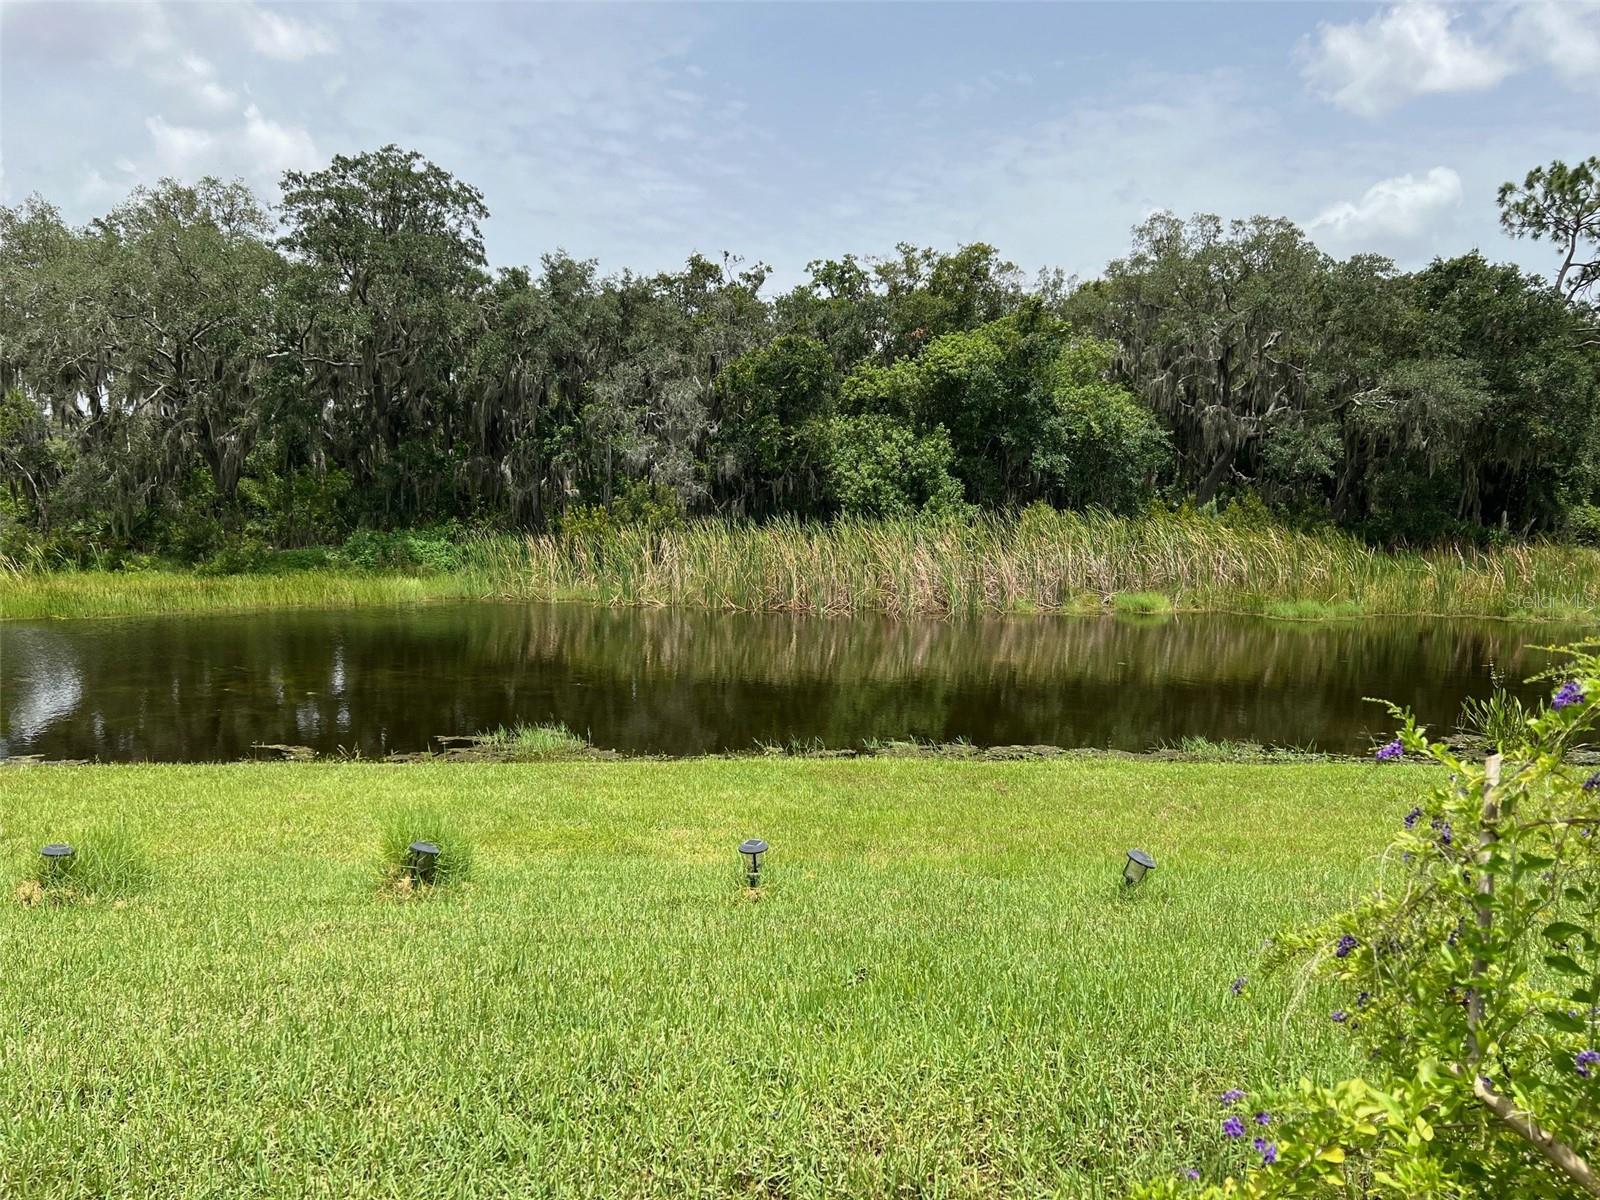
(1043, 562)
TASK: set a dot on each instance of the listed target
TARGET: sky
(637, 134)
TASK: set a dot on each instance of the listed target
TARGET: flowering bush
(1470, 979)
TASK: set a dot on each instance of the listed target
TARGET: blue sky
(786, 132)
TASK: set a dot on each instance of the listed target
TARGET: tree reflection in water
(682, 682)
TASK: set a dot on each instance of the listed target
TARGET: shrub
(876, 467)
(438, 549)
(1583, 524)
(643, 504)
(1248, 511)
(237, 555)
(306, 507)
(1470, 980)
(287, 562)
(648, 504)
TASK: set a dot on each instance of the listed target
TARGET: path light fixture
(1138, 863)
(55, 857)
(752, 849)
(422, 861)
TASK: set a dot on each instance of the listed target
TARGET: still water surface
(683, 682)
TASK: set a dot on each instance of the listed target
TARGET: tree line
(193, 369)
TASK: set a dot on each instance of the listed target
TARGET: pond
(375, 681)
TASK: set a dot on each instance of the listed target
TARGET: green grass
(399, 870)
(941, 990)
(1043, 562)
(1141, 603)
(1311, 610)
(534, 743)
(106, 863)
(140, 593)
(1227, 750)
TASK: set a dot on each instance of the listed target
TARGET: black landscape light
(55, 857)
(422, 861)
(753, 849)
(1138, 863)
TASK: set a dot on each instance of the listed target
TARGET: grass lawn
(940, 991)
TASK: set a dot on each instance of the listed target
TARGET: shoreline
(481, 750)
(49, 597)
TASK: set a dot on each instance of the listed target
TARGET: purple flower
(1445, 835)
(1592, 783)
(1191, 1173)
(1231, 1097)
(1263, 1118)
(1339, 1016)
(1570, 692)
(1413, 817)
(1233, 1127)
(1346, 944)
(1362, 998)
(1391, 751)
(1584, 1061)
(1269, 1151)
(1237, 986)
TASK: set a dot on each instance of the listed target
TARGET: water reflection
(680, 682)
(52, 690)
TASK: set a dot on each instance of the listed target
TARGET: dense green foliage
(194, 377)
(941, 989)
(1470, 979)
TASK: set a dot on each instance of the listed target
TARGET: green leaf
(1564, 931)
(1565, 1022)
(1564, 964)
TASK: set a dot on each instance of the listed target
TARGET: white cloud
(1401, 207)
(1565, 36)
(274, 147)
(283, 37)
(95, 189)
(1044, 191)
(1409, 50)
(154, 47)
(259, 148)
(199, 78)
(176, 147)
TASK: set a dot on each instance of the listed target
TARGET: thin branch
(1524, 1125)
(1556, 1152)
(1488, 837)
